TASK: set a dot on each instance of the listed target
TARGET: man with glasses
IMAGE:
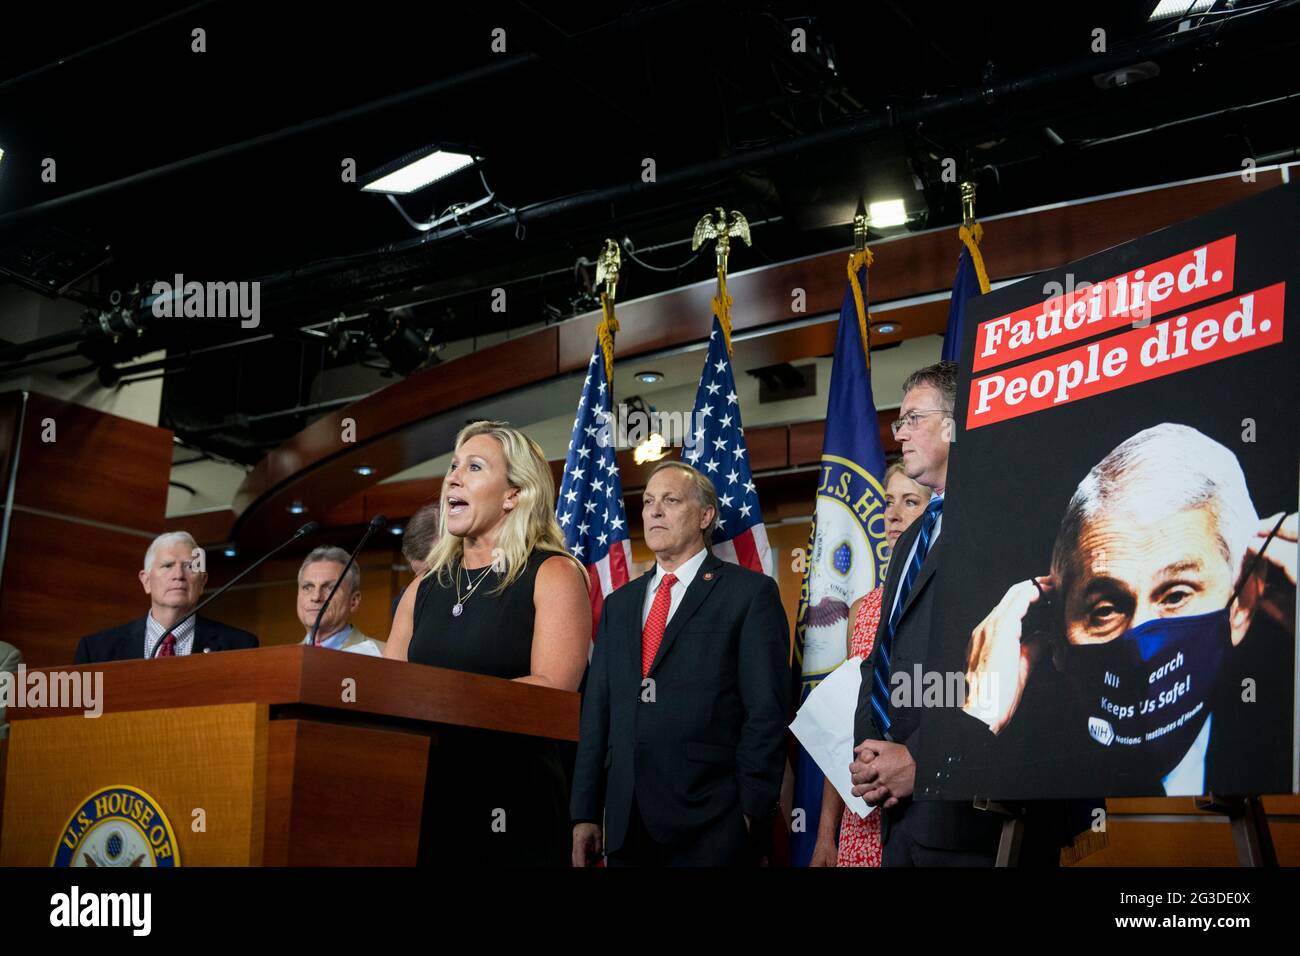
(924, 833)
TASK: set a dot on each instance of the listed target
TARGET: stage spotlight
(886, 213)
(415, 170)
(405, 347)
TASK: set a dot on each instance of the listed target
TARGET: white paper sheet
(824, 725)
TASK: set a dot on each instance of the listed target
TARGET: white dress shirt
(685, 575)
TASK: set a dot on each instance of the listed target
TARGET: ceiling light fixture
(886, 213)
(415, 170)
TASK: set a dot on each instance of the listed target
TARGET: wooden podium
(279, 756)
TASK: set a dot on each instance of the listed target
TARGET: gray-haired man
(316, 578)
(174, 580)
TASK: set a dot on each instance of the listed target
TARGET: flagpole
(722, 229)
(860, 257)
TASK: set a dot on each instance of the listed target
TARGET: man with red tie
(682, 746)
(174, 581)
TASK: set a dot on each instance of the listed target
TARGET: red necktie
(653, 632)
(168, 648)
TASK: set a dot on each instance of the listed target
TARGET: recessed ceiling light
(648, 377)
(364, 470)
(230, 552)
(395, 529)
(297, 508)
(886, 213)
(885, 328)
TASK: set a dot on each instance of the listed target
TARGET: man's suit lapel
(203, 637)
(130, 641)
(923, 576)
(700, 587)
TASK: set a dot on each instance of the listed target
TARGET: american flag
(718, 450)
(590, 507)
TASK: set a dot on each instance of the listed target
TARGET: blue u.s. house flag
(847, 548)
(971, 280)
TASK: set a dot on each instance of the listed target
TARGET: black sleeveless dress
(491, 799)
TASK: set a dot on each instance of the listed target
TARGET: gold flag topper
(722, 229)
(607, 266)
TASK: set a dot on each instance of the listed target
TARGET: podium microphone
(308, 528)
(377, 522)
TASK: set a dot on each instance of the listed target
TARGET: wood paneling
(392, 429)
(213, 760)
(207, 527)
(315, 677)
(99, 467)
(86, 505)
(339, 795)
(63, 580)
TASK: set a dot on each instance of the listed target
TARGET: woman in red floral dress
(858, 842)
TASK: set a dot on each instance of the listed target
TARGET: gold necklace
(459, 607)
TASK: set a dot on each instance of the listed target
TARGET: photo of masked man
(1161, 573)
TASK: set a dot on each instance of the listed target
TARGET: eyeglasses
(913, 418)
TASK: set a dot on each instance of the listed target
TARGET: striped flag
(717, 448)
(590, 506)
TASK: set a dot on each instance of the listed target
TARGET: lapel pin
(708, 575)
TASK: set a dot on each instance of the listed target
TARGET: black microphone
(377, 522)
(309, 528)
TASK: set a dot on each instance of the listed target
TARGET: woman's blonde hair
(897, 468)
(529, 526)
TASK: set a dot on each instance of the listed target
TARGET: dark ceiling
(227, 164)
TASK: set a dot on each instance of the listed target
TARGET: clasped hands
(883, 772)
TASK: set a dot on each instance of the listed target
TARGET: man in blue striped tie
(924, 833)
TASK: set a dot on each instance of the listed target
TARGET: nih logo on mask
(1101, 731)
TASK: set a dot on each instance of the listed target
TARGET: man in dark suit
(682, 747)
(918, 833)
(174, 586)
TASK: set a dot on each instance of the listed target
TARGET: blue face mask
(1147, 693)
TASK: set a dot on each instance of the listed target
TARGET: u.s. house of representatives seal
(847, 550)
(117, 826)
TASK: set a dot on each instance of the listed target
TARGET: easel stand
(1013, 830)
(1250, 830)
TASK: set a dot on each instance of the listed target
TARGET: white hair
(164, 539)
(1158, 472)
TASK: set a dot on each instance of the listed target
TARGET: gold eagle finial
(723, 230)
(607, 266)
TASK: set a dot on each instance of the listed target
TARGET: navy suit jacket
(126, 641)
(707, 738)
(934, 823)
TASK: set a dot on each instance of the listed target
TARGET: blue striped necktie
(880, 682)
